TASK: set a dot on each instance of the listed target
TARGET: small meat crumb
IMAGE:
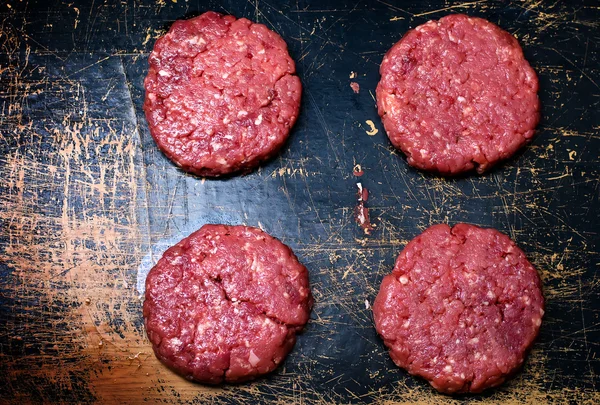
(355, 87)
(373, 129)
(358, 171)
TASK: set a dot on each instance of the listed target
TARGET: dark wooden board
(88, 203)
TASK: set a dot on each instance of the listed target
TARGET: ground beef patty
(225, 304)
(461, 308)
(457, 94)
(221, 94)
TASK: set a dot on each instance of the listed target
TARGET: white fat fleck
(423, 152)
(152, 96)
(253, 358)
(490, 294)
(202, 327)
(194, 260)
(406, 324)
(217, 95)
(230, 137)
(526, 299)
(255, 266)
(448, 369)
(258, 120)
(462, 375)
(537, 321)
(176, 342)
(436, 134)
(474, 341)
(197, 40)
(261, 51)
(461, 99)
(242, 114)
(541, 312)
(176, 260)
(226, 120)
(266, 321)
(477, 355)
(457, 341)
(216, 146)
(164, 73)
(225, 75)
(403, 279)
(286, 295)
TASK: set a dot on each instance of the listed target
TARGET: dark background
(87, 202)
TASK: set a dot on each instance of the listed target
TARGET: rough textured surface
(221, 94)
(225, 303)
(461, 308)
(457, 94)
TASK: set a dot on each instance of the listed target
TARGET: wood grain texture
(88, 203)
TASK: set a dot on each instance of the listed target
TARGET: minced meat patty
(225, 304)
(221, 94)
(457, 94)
(461, 308)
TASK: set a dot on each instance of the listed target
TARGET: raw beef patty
(225, 304)
(461, 308)
(457, 94)
(221, 94)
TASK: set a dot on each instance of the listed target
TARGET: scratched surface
(87, 202)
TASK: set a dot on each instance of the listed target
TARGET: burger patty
(461, 308)
(225, 304)
(457, 94)
(221, 94)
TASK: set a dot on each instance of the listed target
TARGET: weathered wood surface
(87, 202)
